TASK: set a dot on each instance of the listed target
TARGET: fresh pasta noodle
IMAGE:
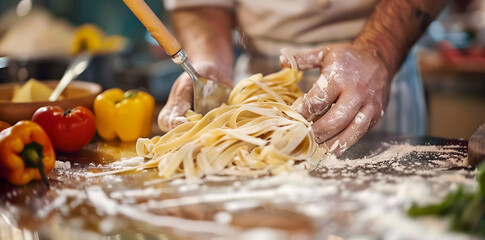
(256, 133)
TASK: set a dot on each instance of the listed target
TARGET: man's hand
(348, 98)
(205, 34)
(352, 92)
(182, 95)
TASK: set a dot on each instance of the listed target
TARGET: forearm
(205, 34)
(395, 26)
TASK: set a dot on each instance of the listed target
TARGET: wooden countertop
(137, 205)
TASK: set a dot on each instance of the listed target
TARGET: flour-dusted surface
(362, 196)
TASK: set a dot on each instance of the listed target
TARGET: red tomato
(68, 130)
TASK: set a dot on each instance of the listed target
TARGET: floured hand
(182, 94)
(348, 98)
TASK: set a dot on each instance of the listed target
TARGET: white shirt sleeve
(175, 4)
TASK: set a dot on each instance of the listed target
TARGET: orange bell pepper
(26, 153)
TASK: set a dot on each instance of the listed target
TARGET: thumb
(305, 59)
(178, 103)
(172, 115)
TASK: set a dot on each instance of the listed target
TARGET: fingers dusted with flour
(306, 59)
(205, 34)
(353, 89)
(351, 79)
(178, 103)
(360, 124)
(182, 95)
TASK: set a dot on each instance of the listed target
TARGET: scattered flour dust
(62, 165)
(375, 201)
(392, 152)
(127, 162)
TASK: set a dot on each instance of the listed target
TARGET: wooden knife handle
(153, 24)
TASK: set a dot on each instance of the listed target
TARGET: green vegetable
(466, 210)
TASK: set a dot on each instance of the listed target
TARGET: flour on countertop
(62, 165)
(347, 198)
(392, 152)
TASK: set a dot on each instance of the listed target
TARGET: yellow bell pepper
(126, 115)
(26, 153)
(89, 37)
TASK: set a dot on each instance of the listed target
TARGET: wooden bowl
(78, 93)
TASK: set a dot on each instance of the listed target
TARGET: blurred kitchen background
(38, 38)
